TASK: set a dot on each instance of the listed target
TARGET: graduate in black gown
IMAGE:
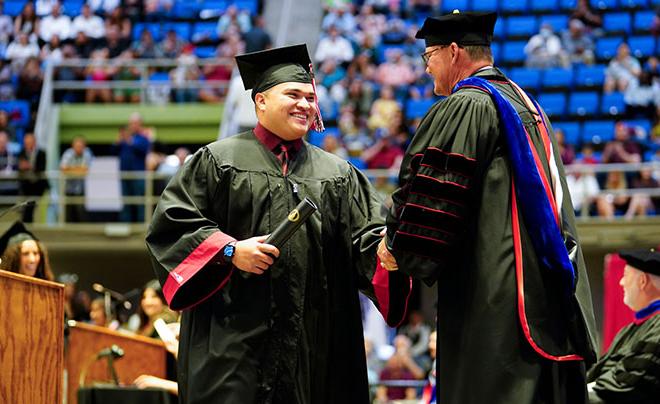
(629, 372)
(256, 329)
(483, 211)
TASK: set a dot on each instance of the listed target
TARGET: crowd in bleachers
(592, 66)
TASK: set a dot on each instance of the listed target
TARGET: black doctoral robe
(501, 320)
(630, 370)
(293, 334)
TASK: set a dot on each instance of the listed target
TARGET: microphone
(114, 352)
(115, 295)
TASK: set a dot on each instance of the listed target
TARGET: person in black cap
(262, 325)
(483, 210)
(629, 372)
(23, 253)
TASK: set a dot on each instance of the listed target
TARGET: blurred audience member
(103, 7)
(642, 204)
(125, 72)
(31, 173)
(171, 46)
(400, 366)
(100, 315)
(386, 153)
(584, 13)
(92, 25)
(27, 22)
(157, 10)
(21, 49)
(145, 47)
(7, 92)
(418, 333)
(383, 110)
(566, 150)
(186, 70)
(98, 71)
(621, 70)
(622, 149)
(75, 163)
(8, 182)
(122, 23)
(396, 71)
(341, 18)
(24, 254)
(578, 44)
(545, 49)
(133, 144)
(152, 307)
(257, 39)
(55, 23)
(429, 393)
(332, 144)
(334, 46)
(234, 21)
(611, 204)
(76, 303)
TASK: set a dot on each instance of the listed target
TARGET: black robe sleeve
(183, 240)
(389, 290)
(438, 176)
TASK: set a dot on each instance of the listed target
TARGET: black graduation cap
(17, 233)
(265, 69)
(463, 28)
(646, 260)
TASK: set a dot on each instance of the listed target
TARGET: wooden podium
(142, 355)
(31, 339)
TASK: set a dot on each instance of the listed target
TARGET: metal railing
(59, 199)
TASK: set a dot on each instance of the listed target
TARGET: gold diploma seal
(294, 215)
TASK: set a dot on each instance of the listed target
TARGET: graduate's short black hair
(265, 69)
(466, 29)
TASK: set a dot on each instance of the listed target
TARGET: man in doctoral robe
(262, 324)
(629, 372)
(483, 211)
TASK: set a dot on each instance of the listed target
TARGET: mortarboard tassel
(318, 120)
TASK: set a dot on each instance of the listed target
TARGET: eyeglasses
(426, 56)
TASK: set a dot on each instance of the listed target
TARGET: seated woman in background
(23, 253)
(152, 307)
(98, 315)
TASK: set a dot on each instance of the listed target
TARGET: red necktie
(284, 157)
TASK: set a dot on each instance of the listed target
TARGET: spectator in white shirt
(340, 17)
(334, 46)
(545, 49)
(92, 25)
(45, 7)
(20, 50)
(55, 24)
(102, 7)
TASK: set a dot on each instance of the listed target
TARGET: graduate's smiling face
(287, 109)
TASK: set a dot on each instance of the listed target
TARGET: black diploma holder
(296, 218)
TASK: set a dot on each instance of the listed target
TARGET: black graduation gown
(293, 334)
(630, 370)
(501, 321)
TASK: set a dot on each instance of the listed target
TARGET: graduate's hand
(387, 260)
(252, 255)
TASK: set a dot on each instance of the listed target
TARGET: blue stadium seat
(513, 52)
(159, 76)
(204, 31)
(417, 108)
(14, 7)
(450, 5)
(642, 46)
(617, 22)
(554, 104)
(598, 131)
(557, 77)
(513, 6)
(186, 9)
(603, 4)
(72, 7)
(218, 5)
(18, 111)
(543, 5)
(612, 104)
(357, 163)
(633, 4)
(589, 76)
(204, 52)
(496, 48)
(485, 5)
(315, 138)
(524, 25)
(606, 48)
(525, 77)
(381, 51)
(583, 103)
(182, 29)
(642, 20)
(572, 131)
(498, 31)
(567, 5)
(249, 5)
(559, 22)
